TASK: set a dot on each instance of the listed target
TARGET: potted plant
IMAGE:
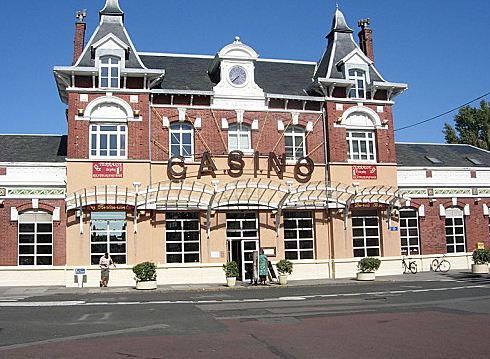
(146, 275)
(481, 257)
(367, 267)
(284, 267)
(231, 272)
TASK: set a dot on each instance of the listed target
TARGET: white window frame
(453, 214)
(108, 241)
(240, 130)
(114, 64)
(294, 132)
(297, 217)
(177, 132)
(358, 90)
(367, 249)
(241, 230)
(121, 134)
(182, 220)
(369, 141)
(36, 234)
(411, 232)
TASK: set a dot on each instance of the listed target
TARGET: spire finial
(237, 40)
(112, 8)
(337, 6)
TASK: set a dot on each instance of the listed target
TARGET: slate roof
(415, 155)
(33, 148)
(191, 73)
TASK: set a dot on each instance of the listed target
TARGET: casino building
(191, 161)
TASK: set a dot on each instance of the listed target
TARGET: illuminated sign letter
(276, 164)
(207, 166)
(235, 163)
(177, 161)
(304, 176)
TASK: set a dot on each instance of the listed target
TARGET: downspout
(327, 179)
(149, 136)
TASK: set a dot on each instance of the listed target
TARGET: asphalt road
(426, 319)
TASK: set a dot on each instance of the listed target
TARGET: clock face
(237, 75)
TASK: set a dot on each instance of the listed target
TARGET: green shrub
(481, 256)
(284, 267)
(145, 272)
(231, 269)
(368, 264)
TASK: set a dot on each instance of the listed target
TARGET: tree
(472, 126)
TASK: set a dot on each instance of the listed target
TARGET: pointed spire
(112, 8)
(339, 24)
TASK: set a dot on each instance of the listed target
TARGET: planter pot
(283, 279)
(479, 268)
(152, 284)
(230, 281)
(366, 276)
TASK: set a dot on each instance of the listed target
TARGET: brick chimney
(366, 38)
(79, 41)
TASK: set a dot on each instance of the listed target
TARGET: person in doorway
(104, 263)
(263, 267)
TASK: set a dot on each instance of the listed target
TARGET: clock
(237, 75)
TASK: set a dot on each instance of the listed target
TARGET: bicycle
(440, 264)
(410, 267)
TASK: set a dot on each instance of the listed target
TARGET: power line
(443, 114)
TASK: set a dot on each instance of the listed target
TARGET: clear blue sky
(439, 47)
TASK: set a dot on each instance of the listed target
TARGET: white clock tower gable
(237, 88)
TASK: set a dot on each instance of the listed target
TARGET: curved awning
(380, 194)
(176, 195)
(250, 193)
(319, 195)
(108, 194)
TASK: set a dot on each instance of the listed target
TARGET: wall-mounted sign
(369, 205)
(480, 245)
(393, 229)
(3, 191)
(109, 207)
(364, 172)
(107, 170)
(80, 271)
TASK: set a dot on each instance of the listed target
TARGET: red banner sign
(364, 172)
(107, 170)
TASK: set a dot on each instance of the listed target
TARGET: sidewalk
(455, 275)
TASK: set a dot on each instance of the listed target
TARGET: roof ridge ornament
(237, 40)
(81, 15)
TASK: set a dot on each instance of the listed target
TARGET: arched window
(359, 88)
(294, 143)
(409, 231)
(35, 238)
(239, 138)
(181, 140)
(361, 137)
(109, 72)
(455, 234)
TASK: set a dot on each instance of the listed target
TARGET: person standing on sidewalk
(263, 262)
(104, 263)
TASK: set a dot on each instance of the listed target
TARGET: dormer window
(109, 71)
(359, 88)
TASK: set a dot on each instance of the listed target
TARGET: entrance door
(243, 240)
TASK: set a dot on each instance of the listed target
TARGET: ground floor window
(365, 233)
(455, 236)
(35, 238)
(108, 234)
(182, 237)
(409, 231)
(298, 235)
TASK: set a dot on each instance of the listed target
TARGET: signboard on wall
(369, 205)
(107, 170)
(3, 191)
(110, 207)
(364, 172)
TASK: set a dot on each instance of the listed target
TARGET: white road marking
(228, 301)
(85, 336)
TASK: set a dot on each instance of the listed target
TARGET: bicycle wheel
(434, 266)
(445, 266)
(413, 267)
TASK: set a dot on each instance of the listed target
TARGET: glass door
(243, 240)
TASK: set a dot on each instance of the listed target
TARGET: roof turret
(339, 24)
